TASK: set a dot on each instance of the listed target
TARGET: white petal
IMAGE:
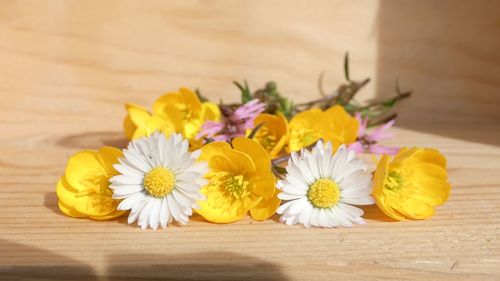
(137, 161)
(322, 220)
(188, 176)
(314, 217)
(196, 154)
(305, 215)
(187, 186)
(136, 209)
(144, 216)
(121, 179)
(128, 171)
(366, 200)
(192, 196)
(154, 216)
(288, 196)
(297, 206)
(126, 189)
(351, 209)
(292, 220)
(172, 207)
(284, 207)
(182, 199)
(332, 218)
(200, 167)
(129, 202)
(161, 148)
(342, 220)
(164, 213)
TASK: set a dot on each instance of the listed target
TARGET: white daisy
(159, 180)
(321, 188)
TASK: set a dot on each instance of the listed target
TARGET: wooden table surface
(67, 68)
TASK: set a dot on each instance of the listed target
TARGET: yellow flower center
(301, 138)
(266, 138)
(237, 186)
(159, 182)
(394, 181)
(324, 193)
(186, 111)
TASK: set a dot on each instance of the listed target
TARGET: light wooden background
(67, 68)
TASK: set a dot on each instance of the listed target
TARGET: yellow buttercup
(139, 122)
(175, 112)
(334, 125)
(273, 134)
(240, 180)
(84, 190)
(412, 185)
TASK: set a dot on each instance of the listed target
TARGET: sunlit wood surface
(67, 68)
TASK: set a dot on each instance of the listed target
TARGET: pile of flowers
(262, 156)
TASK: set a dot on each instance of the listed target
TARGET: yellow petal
(221, 157)
(66, 199)
(338, 124)
(431, 182)
(129, 127)
(84, 190)
(108, 156)
(85, 173)
(266, 208)
(273, 135)
(255, 151)
(174, 116)
(276, 151)
(69, 197)
(191, 98)
(276, 123)
(403, 155)
(380, 175)
(138, 114)
(378, 189)
(384, 204)
(161, 124)
(139, 133)
(220, 207)
(264, 180)
(414, 208)
(423, 185)
(425, 155)
(305, 129)
(112, 215)
(264, 185)
(65, 209)
(183, 99)
(210, 111)
(96, 205)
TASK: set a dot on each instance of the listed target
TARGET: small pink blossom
(234, 124)
(368, 142)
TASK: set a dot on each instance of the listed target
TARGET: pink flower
(235, 123)
(368, 142)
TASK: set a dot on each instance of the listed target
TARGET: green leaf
(346, 67)
(246, 95)
(255, 130)
(200, 96)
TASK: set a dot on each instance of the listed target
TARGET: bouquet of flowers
(262, 156)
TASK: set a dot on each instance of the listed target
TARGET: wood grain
(67, 68)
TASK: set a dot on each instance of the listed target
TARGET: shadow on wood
(200, 266)
(94, 140)
(448, 53)
(23, 262)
